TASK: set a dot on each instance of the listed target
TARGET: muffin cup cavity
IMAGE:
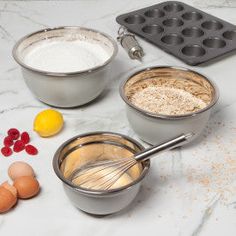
(173, 7)
(154, 13)
(230, 34)
(152, 29)
(193, 51)
(193, 16)
(173, 22)
(212, 25)
(214, 42)
(172, 39)
(135, 19)
(193, 32)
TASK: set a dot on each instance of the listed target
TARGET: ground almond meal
(166, 100)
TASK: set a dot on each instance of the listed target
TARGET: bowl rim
(62, 74)
(162, 116)
(97, 193)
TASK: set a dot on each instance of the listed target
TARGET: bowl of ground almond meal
(163, 102)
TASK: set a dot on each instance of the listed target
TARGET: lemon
(48, 122)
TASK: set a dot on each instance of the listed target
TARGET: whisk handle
(170, 144)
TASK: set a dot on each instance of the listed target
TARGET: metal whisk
(102, 175)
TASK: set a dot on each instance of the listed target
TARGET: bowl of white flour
(163, 102)
(65, 66)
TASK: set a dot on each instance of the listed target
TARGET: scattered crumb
(216, 174)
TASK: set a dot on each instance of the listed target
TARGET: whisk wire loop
(103, 174)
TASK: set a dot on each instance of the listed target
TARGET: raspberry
(6, 151)
(8, 141)
(31, 150)
(13, 133)
(18, 146)
(25, 137)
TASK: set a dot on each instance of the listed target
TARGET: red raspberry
(8, 141)
(13, 133)
(25, 137)
(18, 146)
(31, 150)
(6, 151)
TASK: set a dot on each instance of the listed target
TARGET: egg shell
(27, 186)
(20, 168)
(9, 187)
(7, 200)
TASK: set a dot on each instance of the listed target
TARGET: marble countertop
(190, 191)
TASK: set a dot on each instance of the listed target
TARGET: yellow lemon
(48, 122)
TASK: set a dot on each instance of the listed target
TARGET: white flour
(65, 56)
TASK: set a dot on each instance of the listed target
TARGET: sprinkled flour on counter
(65, 56)
(166, 100)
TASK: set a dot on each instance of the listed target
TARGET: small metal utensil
(130, 44)
(101, 175)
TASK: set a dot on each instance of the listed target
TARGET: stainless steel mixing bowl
(65, 89)
(84, 148)
(156, 128)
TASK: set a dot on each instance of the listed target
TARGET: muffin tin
(181, 30)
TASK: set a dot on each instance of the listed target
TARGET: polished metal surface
(173, 72)
(48, 33)
(130, 44)
(157, 149)
(64, 89)
(103, 174)
(97, 146)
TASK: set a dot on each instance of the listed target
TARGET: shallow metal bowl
(84, 148)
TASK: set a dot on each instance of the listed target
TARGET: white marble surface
(188, 192)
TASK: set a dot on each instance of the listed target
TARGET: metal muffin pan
(181, 30)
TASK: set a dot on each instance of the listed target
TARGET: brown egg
(7, 200)
(27, 186)
(9, 187)
(20, 168)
